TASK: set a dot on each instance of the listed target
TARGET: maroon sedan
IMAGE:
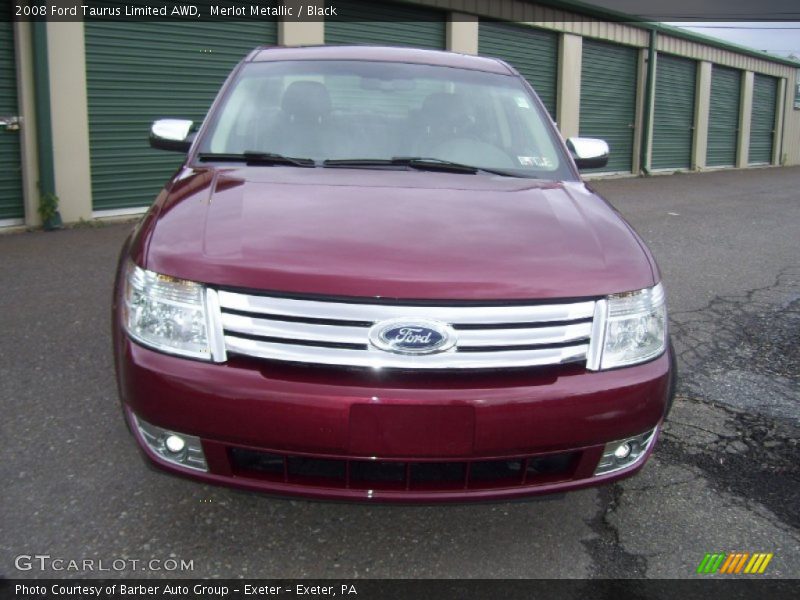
(378, 276)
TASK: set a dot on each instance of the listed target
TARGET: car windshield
(385, 115)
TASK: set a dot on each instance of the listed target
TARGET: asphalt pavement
(724, 477)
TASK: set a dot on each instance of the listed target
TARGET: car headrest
(306, 100)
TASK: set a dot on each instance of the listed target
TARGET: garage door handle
(11, 123)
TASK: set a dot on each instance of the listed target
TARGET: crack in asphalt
(693, 426)
(735, 418)
(740, 365)
(757, 330)
(610, 560)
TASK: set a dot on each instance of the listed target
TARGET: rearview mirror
(171, 134)
(588, 153)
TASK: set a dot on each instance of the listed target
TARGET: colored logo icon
(735, 563)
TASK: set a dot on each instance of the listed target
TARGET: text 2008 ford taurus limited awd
(378, 276)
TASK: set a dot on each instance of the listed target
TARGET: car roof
(383, 54)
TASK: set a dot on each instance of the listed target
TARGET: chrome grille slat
(345, 334)
(360, 312)
(337, 333)
(378, 359)
(524, 336)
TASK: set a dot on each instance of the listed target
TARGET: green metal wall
(762, 121)
(723, 118)
(11, 206)
(386, 23)
(532, 52)
(673, 122)
(138, 71)
(608, 99)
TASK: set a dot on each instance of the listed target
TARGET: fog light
(175, 444)
(174, 448)
(624, 453)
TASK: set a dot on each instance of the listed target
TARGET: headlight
(166, 313)
(635, 328)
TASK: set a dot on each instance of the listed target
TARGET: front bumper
(397, 437)
(362, 435)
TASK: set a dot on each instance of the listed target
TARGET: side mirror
(588, 153)
(171, 134)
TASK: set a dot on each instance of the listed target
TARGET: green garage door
(139, 71)
(608, 99)
(762, 121)
(10, 159)
(385, 24)
(673, 123)
(532, 52)
(723, 119)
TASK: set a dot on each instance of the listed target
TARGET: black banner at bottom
(399, 589)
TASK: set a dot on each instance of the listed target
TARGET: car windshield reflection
(365, 112)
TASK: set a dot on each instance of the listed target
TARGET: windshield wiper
(257, 158)
(415, 162)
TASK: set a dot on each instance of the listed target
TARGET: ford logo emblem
(412, 336)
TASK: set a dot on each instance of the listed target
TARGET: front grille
(327, 332)
(404, 475)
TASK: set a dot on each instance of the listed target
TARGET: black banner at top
(378, 10)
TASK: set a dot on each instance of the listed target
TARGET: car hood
(392, 233)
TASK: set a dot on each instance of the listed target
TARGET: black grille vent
(404, 475)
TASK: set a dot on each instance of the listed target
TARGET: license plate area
(411, 431)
